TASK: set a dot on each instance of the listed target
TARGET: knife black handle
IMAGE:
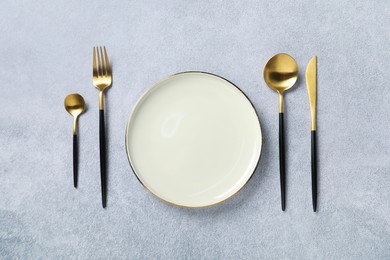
(314, 169)
(282, 162)
(75, 160)
(103, 165)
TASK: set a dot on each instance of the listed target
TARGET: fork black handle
(103, 165)
(314, 169)
(75, 160)
(282, 162)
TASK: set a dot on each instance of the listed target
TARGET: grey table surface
(46, 53)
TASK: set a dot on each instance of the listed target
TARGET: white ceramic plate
(193, 139)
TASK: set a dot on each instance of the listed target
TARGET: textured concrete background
(46, 53)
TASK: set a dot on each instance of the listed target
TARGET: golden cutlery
(102, 79)
(311, 83)
(280, 74)
(75, 105)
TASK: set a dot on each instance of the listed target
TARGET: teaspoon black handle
(314, 169)
(103, 165)
(282, 162)
(75, 160)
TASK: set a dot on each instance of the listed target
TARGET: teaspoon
(75, 105)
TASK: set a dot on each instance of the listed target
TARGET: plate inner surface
(193, 139)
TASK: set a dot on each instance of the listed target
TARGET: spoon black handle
(102, 142)
(75, 160)
(314, 169)
(282, 162)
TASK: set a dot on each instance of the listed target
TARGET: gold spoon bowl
(75, 105)
(280, 74)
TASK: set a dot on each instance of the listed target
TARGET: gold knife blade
(311, 83)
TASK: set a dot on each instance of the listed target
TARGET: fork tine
(100, 74)
(95, 72)
(104, 70)
(108, 68)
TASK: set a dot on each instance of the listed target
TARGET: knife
(311, 83)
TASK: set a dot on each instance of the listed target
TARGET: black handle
(102, 141)
(314, 169)
(75, 160)
(282, 162)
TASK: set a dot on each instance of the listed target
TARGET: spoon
(75, 105)
(280, 74)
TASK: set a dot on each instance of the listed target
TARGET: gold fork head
(102, 77)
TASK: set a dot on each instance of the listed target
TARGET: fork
(102, 79)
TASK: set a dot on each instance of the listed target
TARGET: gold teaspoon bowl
(280, 74)
(75, 105)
